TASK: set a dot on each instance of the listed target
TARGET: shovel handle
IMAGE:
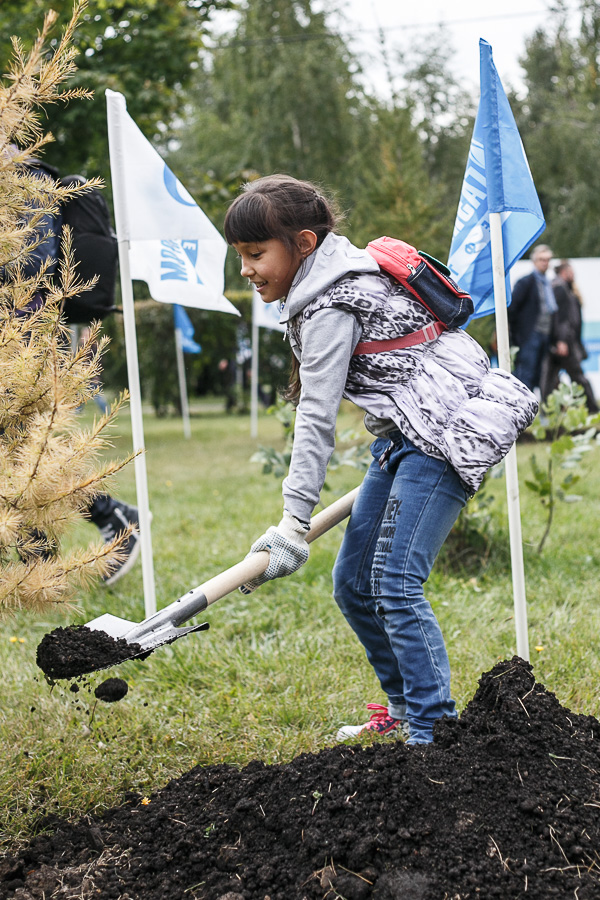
(255, 565)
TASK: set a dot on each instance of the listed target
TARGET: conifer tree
(50, 467)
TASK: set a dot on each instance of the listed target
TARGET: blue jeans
(406, 507)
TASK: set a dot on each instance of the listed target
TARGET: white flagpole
(185, 407)
(254, 379)
(512, 478)
(137, 427)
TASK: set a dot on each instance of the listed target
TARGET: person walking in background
(99, 398)
(530, 318)
(567, 350)
(110, 516)
(440, 417)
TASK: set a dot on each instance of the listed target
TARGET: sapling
(568, 432)
(49, 467)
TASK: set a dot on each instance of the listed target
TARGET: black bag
(94, 249)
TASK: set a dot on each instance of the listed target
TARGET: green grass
(279, 670)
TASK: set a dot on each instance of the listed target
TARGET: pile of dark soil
(505, 803)
(76, 650)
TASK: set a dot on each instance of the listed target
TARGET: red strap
(423, 336)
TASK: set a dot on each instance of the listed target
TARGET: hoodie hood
(335, 258)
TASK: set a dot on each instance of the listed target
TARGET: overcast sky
(505, 24)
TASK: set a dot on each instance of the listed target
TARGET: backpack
(95, 251)
(429, 281)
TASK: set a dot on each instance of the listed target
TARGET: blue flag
(183, 324)
(497, 179)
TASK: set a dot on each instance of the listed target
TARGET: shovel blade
(111, 625)
(116, 628)
(165, 635)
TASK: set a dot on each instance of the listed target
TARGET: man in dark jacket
(567, 350)
(530, 318)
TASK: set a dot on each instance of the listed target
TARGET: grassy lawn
(279, 670)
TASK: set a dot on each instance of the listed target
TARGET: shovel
(163, 627)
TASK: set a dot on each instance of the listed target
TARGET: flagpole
(512, 477)
(183, 394)
(254, 379)
(137, 427)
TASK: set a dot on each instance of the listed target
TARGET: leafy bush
(568, 432)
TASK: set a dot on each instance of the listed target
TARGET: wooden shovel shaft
(167, 620)
(255, 565)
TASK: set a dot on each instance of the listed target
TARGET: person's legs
(100, 509)
(528, 364)
(352, 579)
(403, 518)
(572, 367)
(549, 379)
(424, 502)
(112, 517)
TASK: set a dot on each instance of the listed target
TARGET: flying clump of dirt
(76, 650)
(504, 804)
(111, 690)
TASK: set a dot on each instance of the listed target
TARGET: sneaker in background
(120, 518)
(380, 723)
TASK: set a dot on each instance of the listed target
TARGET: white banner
(265, 315)
(174, 247)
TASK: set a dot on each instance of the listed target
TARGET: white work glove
(288, 548)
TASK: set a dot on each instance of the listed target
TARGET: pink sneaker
(380, 722)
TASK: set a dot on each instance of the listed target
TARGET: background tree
(271, 93)
(147, 49)
(282, 92)
(559, 120)
(443, 113)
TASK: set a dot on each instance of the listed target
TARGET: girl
(439, 415)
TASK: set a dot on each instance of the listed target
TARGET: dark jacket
(524, 309)
(567, 321)
(47, 250)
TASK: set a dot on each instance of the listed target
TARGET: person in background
(99, 398)
(567, 350)
(109, 515)
(530, 318)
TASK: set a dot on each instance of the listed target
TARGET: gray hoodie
(442, 395)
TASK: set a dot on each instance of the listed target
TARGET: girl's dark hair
(279, 206)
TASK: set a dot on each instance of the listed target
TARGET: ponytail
(292, 391)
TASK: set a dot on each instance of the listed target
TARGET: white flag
(174, 247)
(265, 315)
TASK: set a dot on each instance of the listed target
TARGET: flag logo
(176, 189)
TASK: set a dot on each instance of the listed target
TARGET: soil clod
(112, 690)
(76, 650)
(504, 804)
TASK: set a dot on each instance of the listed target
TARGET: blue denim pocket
(387, 451)
(378, 446)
